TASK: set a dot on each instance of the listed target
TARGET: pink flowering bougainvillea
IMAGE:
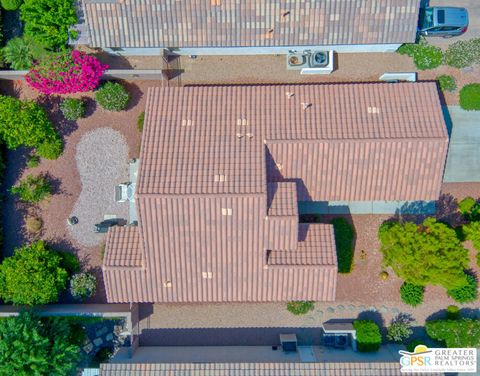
(67, 73)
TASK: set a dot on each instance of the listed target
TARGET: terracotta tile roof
(282, 199)
(123, 247)
(255, 23)
(316, 247)
(252, 369)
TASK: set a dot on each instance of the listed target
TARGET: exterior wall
(355, 48)
(367, 207)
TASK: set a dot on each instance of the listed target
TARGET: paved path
(473, 7)
(463, 161)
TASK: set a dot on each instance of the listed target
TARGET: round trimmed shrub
(411, 294)
(470, 97)
(300, 307)
(51, 149)
(453, 312)
(369, 337)
(11, 4)
(73, 109)
(466, 293)
(83, 285)
(112, 96)
(447, 82)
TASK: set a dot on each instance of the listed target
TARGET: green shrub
(453, 312)
(26, 123)
(400, 328)
(32, 189)
(411, 294)
(300, 307)
(344, 234)
(424, 55)
(470, 97)
(51, 149)
(112, 96)
(73, 109)
(455, 333)
(471, 232)
(140, 121)
(48, 21)
(466, 293)
(21, 53)
(69, 262)
(447, 82)
(411, 345)
(31, 345)
(83, 285)
(11, 4)
(369, 337)
(429, 253)
(463, 53)
(33, 161)
(467, 207)
(33, 275)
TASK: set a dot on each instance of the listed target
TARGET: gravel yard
(102, 157)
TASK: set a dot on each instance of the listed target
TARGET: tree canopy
(33, 275)
(430, 253)
(34, 346)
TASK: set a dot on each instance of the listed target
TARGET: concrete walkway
(463, 159)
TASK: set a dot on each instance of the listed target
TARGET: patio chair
(121, 192)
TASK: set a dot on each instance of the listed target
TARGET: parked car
(443, 21)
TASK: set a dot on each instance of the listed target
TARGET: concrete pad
(463, 159)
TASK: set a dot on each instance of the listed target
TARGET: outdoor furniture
(103, 226)
(288, 342)
(121, 192)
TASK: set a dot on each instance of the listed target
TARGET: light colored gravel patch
(102, 162)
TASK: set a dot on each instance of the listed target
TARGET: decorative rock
(383, 309)
(320, 312)
(362, 307)
(109, 337)
(330, 309)
(340, 308)
(395, 310)
(100, 332)
(88, 347)
(373, 309)
(98, 342)
(351, 307)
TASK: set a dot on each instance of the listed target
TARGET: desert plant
(32, 189)
(11, 4)
(424, 56)
(455, 333)
(33, 275)
(368, 333)
(411, 294)
(300, 307)
(463, 53)
(429, 253)
(469, 208)
(466, 293)
(48, 21)
(52, 148)
(37, 346)
(33, 161)
(22, 52)
(66, 73)
(453, 312)
(384, 275)
(112, 96)
(72, 109)
(447, 82)
(400, 328)
(344, 234)
(470, 97)
(33, 224)
(83, 285)
(140, 121)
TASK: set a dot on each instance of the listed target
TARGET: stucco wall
(366, 207)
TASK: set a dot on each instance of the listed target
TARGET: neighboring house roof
(251, 369)
(249, 23)
(218, 167)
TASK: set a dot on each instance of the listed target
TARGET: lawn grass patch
(470, 97)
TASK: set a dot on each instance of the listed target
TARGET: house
(248, 27)
(223, 167)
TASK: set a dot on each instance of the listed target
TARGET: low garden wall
(119, 74)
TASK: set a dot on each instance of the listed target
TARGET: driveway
(463, 159)
(473, 7)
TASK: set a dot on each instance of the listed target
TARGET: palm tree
(22, 52)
